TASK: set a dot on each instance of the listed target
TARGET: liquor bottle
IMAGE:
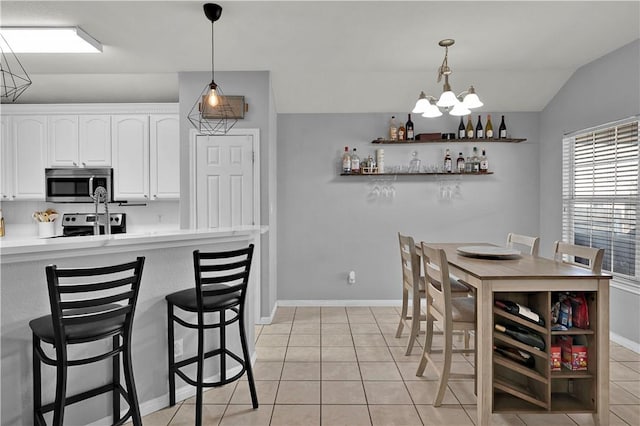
(468, 165)
(462, 132)
(469, 129)
(393, 129)
(475, 161)
(447, 162)
(402, 132)
(488, 130)
(502, 130)
(346, 161)
(355, 162)
(479, 129)
(409, 129)
(522, 335)
(520, 311)
(484, 162)
(1, 224)
(521, 357)
(460, 163)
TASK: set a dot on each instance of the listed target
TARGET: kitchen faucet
(101, 195)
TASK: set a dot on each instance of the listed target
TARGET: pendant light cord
(212, 51)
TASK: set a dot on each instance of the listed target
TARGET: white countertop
(29, 248)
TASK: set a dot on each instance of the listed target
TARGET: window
(600, 195)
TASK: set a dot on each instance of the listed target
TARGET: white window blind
(600, 195)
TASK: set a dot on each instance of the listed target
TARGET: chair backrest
(220, 273)
(436, 270)
(531, 243)
(410, 263)
(103, 298)
(583, 256)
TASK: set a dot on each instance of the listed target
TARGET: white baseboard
(184, 392)
(269, 319)
(339, 303)
(623, 341)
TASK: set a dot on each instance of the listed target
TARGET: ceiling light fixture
(212, 114)
(458, 105)
(50, 40)
(13, 78)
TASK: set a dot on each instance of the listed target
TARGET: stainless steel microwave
(76, 185)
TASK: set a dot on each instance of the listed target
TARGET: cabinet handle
(146, 196)
(75, 164)
(84, 164)
(155, 196)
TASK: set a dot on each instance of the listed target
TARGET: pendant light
(14, 78)
(457, 105)
(212, 114)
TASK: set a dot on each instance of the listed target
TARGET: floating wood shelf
(416, 174)
(474, 140)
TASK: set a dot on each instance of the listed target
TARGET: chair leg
(427, 347)
(115, 379)
(171, 358)
(131, 386)
(199, 369)
(403, 313)
(446, 368)
(37, 377)
(247, 361)
(415, 325)
(223, 347)
(61, 386)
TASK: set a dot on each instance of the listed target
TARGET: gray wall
(255, 86)
(602, 91)
(330, 226)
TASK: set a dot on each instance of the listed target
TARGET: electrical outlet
(178, 349)
(351, 278)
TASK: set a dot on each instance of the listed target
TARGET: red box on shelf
(574, 352)
(555, 356)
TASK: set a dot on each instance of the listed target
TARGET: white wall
(602, 91)
(328, 226)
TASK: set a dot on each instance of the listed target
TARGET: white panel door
(224, 181)
(95, 140)
(63, 140)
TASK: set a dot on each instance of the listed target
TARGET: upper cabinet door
(95, 140)
(130, 135)
(6, 160)
(29, 152)
(63, 140)
(165, 157)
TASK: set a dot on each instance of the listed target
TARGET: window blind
(600, 195)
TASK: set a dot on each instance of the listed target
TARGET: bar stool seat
(188, 300)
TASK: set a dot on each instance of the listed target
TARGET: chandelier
(458, 105)
(212, 114)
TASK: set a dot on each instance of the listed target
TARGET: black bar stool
(221, 287)
(87, 305)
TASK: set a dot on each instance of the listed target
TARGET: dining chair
(413, 287)
(88, 305)
(518, 240)
(583, 256)
(453, 313)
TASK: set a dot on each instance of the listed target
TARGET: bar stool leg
(37, 377)
(61, 386)
(247, 361)
(128, 377)
(115, 378)
(199, 369)
(170, 337)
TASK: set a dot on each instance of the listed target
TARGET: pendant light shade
(212, 114)
(471, 100)
(459, 109)
(14, 78)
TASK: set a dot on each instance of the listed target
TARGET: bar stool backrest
(222, 273)
(578, 255)
(93, 299)
(437, 274)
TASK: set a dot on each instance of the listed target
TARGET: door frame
(255, 133)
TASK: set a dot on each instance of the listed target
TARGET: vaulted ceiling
(327, 56)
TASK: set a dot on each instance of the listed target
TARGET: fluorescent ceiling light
(50, 40)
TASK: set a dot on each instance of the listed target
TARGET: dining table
(537, 279)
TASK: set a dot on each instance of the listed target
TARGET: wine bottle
(460, 163)
(484, 162)
(502, 130)
(469, 129)
(393, 129)
(479, 129)
(355, 162)
(402, 132)
(520, 310)
(522, 335)
(447, 161)
(462, 132)
(489, 128)
(409, 128)
(346, 161)
(522, 357)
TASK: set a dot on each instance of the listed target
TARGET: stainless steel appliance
(79, 224)
(77, 185)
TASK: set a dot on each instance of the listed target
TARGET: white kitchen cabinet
(79, 141)
(28, 144)
(130, 144)
(165, 157)
(6, 161)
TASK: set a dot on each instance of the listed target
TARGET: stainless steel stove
(79, 224)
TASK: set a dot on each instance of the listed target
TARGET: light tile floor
(344, 366)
